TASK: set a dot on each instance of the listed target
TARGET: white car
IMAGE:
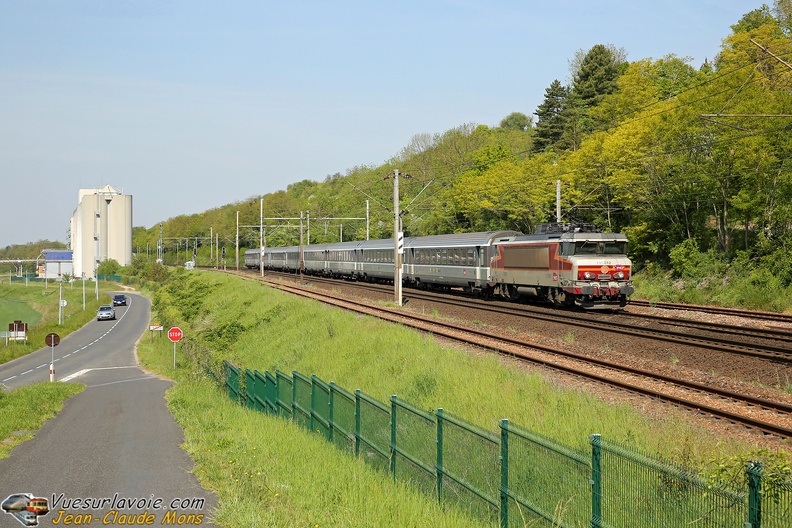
(105, 312)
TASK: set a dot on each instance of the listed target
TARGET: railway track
(750, 314)
(768, 416)
(763, 343)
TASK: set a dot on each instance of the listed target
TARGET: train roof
(353, 244)
(485, 238)
(571, 237)
(455, 240)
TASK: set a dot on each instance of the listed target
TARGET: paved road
(114, 442)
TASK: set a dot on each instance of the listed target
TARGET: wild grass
(270, 472)
(753, 290)
(261, 329)
(25, 409)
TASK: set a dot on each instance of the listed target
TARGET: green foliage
(108, 267)
(777, 470)
(688, 261)
(550, 125)
(183, 296)
(146, 271)
(597, 75)
(517, 121)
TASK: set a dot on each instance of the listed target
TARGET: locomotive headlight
(619, 275)
(588, 275)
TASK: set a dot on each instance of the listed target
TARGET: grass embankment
(733, 287)
(36, 303)
(25, 409)
(269, 472)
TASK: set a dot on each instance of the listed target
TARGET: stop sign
(175, 334)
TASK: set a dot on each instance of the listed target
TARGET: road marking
(122, 381)
(85, 371)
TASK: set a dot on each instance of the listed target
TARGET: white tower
(101, 229)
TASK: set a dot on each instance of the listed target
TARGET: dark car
(119, 299)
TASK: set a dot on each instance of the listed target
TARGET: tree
(597, 75)
(574, 121)
(782, 9)
(108, 267)
(549, 123)
(517, 121)
(753, 20)
(576, 62)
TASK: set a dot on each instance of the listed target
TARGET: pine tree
(597, 75)
(549, 123)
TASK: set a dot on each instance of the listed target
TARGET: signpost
(154, 327)
(175, 334)
(52, 341)
(17, 331)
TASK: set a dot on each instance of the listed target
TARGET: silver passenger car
(105, 312)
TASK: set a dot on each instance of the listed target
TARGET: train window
(615, 248)
(587, 247)
(471, 257)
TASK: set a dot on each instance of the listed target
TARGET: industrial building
(57, 264)
(101, 229)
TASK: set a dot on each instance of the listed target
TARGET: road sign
(52, 340)
(175, 334)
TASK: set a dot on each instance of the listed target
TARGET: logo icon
(25, 508)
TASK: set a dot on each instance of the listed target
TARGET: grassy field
(17, 310)
(25, 409)
(278, 472)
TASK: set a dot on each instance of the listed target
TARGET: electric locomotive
(565, 264)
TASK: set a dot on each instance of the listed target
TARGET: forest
(691, 163)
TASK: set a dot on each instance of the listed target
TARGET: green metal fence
(514, 477)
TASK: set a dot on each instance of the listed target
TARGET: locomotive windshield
(593, 247)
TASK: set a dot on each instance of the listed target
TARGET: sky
(189, 105)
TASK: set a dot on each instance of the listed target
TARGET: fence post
(393, 437)
(332, 406)
(504, 485)
(313, 409)
(357, 422)
(294, 397)
(754, 470)
(439, 469)
(596, 481)
(250, 388)
(277, 394)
